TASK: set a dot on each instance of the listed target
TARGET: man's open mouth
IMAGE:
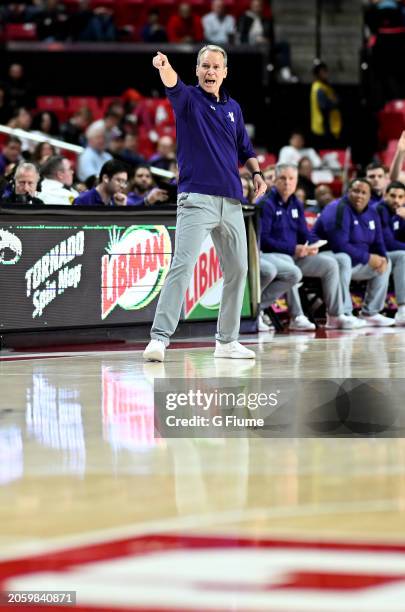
(210, 81)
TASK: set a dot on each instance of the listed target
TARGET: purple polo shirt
(93, 198)
(211, 141)
(357, 234)
(283, 224)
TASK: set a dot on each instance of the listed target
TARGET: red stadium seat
(105, 102)
(71, 5)
(56, 104)
(131, 12)
(145, 146)
(388, 155)
(341, 155)
(266, 159)
(20, 31)
(106, 3)
(397, 106)
(75, 103)
(156, 112)
(391, 125)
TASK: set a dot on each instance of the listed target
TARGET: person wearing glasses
(110, 190)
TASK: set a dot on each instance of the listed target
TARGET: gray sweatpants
(289, 272)
(197, 216)
(376, 291)
(397, 259)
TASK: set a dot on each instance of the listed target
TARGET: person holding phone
(289, 252)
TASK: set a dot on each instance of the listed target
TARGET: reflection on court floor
(202, 523)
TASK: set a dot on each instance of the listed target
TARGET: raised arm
(398, 160)
(167, 74)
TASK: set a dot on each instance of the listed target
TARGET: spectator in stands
(174, 168)
(376, 174)
(153, 31)
(285, 245)
(42, 152)
(52, 21)
(57, 179)
(110, 126)
(111, 188)
(219, 26)
(5, 111)
(16, 12)
(22, 120)
(184, 27)
(323, 197)
(385, 22)
(165, 153)
(73, 130)
(305, 181)
(19, 90)
(255, 28)
(94, 156)
(23, 189)
(45, 124)
(296, 150)
(326, 119)
(392, 216)
(269, 174)
(142, 190)
(116, 147)
(95, 25)
(130, 153)
(352, 226)
(11, 153)
(301, 194)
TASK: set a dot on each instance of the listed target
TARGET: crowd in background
(128, 155)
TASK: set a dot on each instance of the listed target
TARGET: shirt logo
(355, 222)
(232, 118)
(279, 212)
(294, 213)
(213, 107)
(371, 224)
(396, 225)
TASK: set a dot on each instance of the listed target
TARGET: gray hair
(24, 167)
(281, 167)
(215, 49)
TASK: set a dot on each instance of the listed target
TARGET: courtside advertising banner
(73, 273)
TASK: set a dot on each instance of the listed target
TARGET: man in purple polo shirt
(352, 226)
(111, 188)
(211, 141)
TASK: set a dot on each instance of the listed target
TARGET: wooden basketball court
(93, 500)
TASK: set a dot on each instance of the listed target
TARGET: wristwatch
(258, 172)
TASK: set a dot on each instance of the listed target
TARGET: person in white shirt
(295, 151)
(94, 155)
(56, 186)
(219, 27)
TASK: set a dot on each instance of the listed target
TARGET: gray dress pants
(197, 216)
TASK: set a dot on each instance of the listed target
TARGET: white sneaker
(262, 326)
(353, 322)
(155, 351)
(377, 320)
(233, 350)
(400, 318)
(344, 322)
(301, 323)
